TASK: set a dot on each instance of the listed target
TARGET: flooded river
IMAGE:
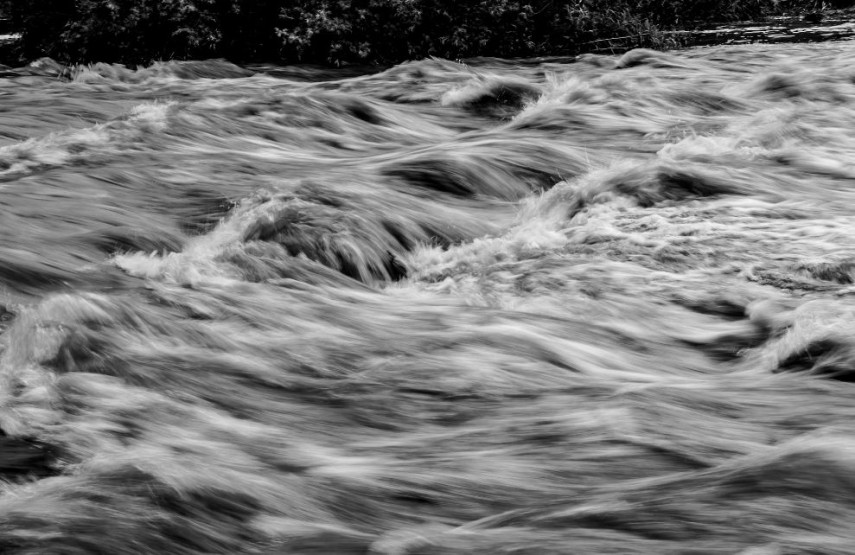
(604, 306)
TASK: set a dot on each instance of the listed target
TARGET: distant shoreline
(805, 27)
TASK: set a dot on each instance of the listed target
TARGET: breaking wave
(599, 306)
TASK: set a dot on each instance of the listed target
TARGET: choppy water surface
(593, 307)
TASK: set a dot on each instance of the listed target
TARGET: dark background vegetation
(353, 31)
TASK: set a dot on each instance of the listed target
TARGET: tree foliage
(348, 31)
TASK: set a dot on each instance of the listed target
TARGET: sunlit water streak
(591, 307)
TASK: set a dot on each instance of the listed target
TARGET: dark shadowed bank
(360, 31)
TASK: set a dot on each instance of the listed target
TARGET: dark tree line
(347, 31)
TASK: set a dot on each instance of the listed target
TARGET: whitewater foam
(598, 307)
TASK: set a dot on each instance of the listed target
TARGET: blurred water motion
(593, 307)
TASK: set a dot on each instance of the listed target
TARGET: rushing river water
(543, 308)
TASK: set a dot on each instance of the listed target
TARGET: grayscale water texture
(503, 308)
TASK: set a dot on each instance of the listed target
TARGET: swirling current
(599, 305)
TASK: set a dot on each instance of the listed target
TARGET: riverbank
(810, 26)
(349, 32)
